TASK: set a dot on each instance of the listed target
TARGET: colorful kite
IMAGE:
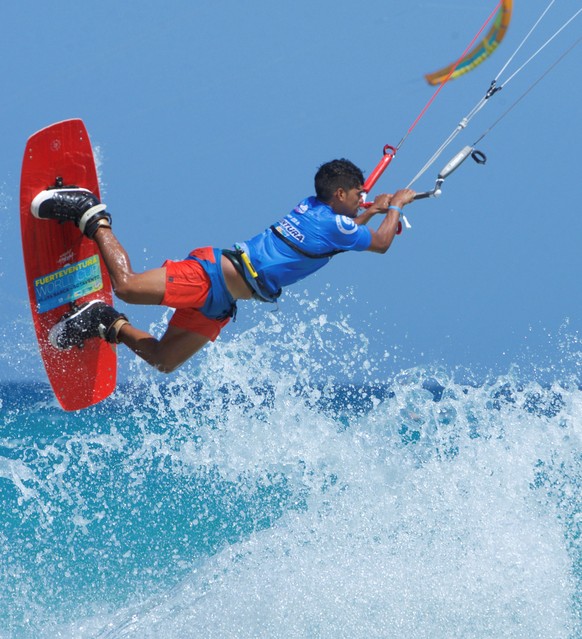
(483, 50)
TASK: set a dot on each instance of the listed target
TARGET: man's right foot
(71, 204)
(93, 319)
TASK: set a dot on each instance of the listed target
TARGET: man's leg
(134, 288)
(166, 354)
(83, 208)
(177, 344)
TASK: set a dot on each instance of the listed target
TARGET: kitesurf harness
(219, 302)
(301, 251)
(244, 267)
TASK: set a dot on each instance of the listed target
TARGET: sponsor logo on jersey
(295, 233)
(346, 225)
(301, 209)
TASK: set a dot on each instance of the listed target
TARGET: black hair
(334, 175)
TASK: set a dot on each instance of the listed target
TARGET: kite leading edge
(480, 52)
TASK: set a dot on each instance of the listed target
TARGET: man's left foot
(93, 319)
(71, 204)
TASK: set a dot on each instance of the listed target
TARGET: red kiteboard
(63, 267)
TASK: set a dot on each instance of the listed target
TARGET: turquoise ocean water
(290, 487)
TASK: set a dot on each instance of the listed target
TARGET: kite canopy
(482, 51)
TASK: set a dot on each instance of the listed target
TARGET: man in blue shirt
(204, 287)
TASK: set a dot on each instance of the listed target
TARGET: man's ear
(340, 194)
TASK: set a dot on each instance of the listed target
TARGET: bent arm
(383, 237)
(379, 205)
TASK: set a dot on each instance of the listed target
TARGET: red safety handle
(389, 153)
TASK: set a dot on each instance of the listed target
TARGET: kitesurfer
(204, 287)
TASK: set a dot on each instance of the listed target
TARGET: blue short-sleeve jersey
(313, 227)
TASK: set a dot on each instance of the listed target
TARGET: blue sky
(210, 120)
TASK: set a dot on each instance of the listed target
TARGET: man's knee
(166, 360)
(167, 367)
(124, 291)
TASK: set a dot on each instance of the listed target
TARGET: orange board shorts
(187, 287)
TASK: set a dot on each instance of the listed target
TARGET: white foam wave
(457, 535)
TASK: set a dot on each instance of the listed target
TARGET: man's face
(348, 202)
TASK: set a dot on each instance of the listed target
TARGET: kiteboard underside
(63, 267)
